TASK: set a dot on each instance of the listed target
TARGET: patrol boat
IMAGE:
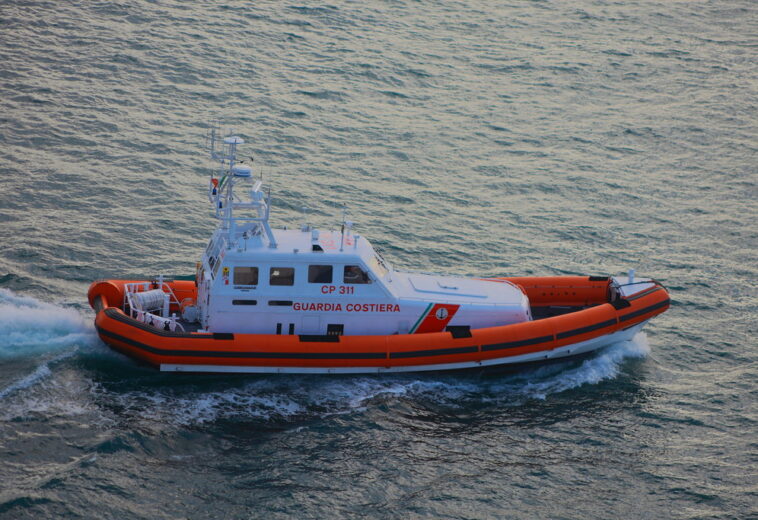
(304, 300)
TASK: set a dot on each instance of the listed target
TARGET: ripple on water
(535, 138)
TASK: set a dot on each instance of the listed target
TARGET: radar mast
(238, 199)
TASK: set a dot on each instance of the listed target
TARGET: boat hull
(603, 320)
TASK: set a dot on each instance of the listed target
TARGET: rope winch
(151, 300)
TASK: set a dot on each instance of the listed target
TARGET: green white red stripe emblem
(435, 318)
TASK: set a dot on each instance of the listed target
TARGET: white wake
(29, 326)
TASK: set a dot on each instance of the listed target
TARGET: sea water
(475, 139)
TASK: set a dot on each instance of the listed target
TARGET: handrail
(143, 315)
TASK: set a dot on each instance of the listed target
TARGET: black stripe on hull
(645, 310)
(242, 355)
(585, 330)
(516, 344)
(434, 352)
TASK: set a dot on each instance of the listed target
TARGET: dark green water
(480, 139)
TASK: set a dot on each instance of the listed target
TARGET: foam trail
(31, 327)
(604, 366)
(293, 398)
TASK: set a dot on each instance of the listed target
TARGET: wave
(40, 332)
(40, 373)
(602, 367)
(295, 398)
(31, 327)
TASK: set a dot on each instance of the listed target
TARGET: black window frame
(331, 273)
(257, 274)
(271, 277)
(366, 279)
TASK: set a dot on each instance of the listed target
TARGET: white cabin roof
(303, 246)
(415, 286)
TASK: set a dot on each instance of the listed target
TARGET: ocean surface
(469, 138)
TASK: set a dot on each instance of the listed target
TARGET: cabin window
(211, 261)
(282, 276)
(355, 274)
(319, 274)
(245, 276)
(212, 252)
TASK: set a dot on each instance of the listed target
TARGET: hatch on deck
(442, 285)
